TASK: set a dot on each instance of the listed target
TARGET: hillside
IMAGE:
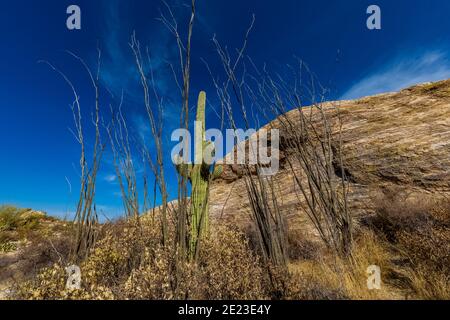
(394, 141)
(29, 240)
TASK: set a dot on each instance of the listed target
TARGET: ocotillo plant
(199, 174)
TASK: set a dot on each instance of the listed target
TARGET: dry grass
(300, 248)
(408, 239)
(337, 278)
(418, 231)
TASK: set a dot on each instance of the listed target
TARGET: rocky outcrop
(399, 140)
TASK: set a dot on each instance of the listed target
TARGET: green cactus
(199, 175)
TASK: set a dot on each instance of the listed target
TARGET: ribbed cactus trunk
(199, 175)
(199, 179)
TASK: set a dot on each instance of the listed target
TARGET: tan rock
(396, 139)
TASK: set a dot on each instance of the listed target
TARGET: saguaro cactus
(199, 174)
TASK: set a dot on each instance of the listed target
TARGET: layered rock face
(395, 140)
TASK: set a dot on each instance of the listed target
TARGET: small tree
(86, 214)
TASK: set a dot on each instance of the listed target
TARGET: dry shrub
(397, 211)
(43, 252)
(129, 262)
(430, 248)
(50, 283)
(34, 241)
(304, 284)
(428, 268)
(132, 264)
(429, 286)
(99, 275)
(154, 278)
(121, 251)
(228, 268)
(103, 273)
(18, 225)
(334, 278)
(109, 262)
(419, 231)
(300, 248)
(19, 220)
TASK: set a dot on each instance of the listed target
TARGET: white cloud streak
(401, 73)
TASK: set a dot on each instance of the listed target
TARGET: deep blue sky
(39, 155)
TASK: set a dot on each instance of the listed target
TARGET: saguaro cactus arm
(201, 113)
(184, 169)
(218, 170)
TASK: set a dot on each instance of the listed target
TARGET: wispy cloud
(110, 178)
(402, 72)
(120, 71)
